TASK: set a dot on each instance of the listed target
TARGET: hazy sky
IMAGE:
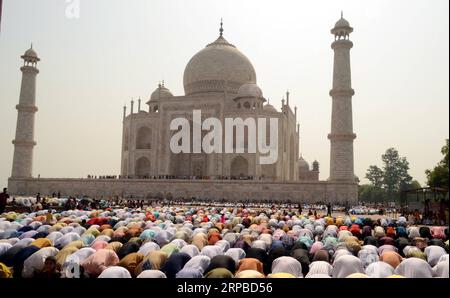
(119, 49)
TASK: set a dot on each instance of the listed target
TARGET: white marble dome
(160, 93)
(269, 107)
(217, 68)
(342, 23)
(303, 165)
(30, 55)
(250, 90)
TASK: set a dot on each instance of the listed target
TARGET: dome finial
(221, 27)
(342, 14)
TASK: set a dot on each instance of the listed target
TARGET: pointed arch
(269, 171)
(125, 167)
(292, 157)
(142, 167)
(126, 140)
(144, 138)
(239, 167)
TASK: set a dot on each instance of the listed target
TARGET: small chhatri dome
(220, 67)
(30, 55)
(160, 93)
(250, 90)
(342, 27)
(269, 107)
(342, 22)
(303, 166)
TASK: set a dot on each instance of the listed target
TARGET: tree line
(388, 182)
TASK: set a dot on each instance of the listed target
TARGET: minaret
(24, 140)
(341, 136)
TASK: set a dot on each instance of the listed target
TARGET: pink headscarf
(99, 244)
(438, 232)
(316, 247)
(278, 234)
(99, 261)
(385, 248)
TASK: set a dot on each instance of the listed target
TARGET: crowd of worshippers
(174, 177)
(55, 201)
(211, 242)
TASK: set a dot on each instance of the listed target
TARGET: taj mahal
(221, 82)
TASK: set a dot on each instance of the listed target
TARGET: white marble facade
(220, 82)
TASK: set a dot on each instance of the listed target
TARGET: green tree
(414, 184)
(395, 170)
(371, 193)
(438, 177)
(375, 175)
(389, 181)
